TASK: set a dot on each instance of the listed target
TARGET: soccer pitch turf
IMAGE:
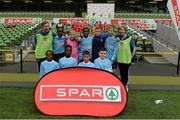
(18, 103)
(152, 80)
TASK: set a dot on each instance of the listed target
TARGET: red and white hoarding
(174, 10)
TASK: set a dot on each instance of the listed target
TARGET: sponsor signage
(20, 20)
(147, 24)
(72, 20)
(80, 91)
(167, 22)
(9, 57)
(174, 10)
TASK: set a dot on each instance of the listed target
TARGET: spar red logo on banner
(18, 20)
(80, 91)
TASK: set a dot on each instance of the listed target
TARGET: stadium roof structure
(80, 6)
(82, 1)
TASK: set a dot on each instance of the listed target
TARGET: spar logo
(112, 93)
(80, 93)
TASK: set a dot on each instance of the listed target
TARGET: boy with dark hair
(58, 44)
(85, 43)
(49, 64)
(67, 60)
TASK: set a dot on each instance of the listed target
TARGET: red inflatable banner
(80, 91)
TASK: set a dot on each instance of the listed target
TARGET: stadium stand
(43, 15)
(14, 34)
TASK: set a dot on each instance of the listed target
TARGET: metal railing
(151, 36)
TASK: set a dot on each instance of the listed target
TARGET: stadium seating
(142, 16)
(44, 15)
(13, 34)
(143, 44)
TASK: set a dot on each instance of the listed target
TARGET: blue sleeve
(60, 63)
(115, 51)
(132, 44)
(93, 65)
(80, 65)
(34, 40)
(133, 48)
(75, 63)
(54, 34)
(79, 47)
(104, 36)
(110, 66)
(57, 65)
(96, 64)
(41, 70)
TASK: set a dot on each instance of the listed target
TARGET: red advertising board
(137, 21)
(124, 21)
(80, 91)
(72, 20)
(18, 20)
(176, 11)
(164, 21)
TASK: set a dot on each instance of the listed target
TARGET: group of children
(98, 51)
(95, 50)
(68, 61)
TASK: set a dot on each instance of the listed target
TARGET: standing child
(86, 62)
(102, 62)
(111, 47)
(49, 64)
(67, 60)
(111, 44)
(58, 44)
(73, 42)
(85, 44)
(97, 43)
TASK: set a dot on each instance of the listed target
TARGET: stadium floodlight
(152, 1)
(89, 1)
(158, 0)
(47, 1)
(131, 2)
(111, 1)
(140, 35)
(7, 1)
(144, 38)
(28, 1)
(68, 1)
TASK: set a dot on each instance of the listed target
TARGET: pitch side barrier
(20, 56)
